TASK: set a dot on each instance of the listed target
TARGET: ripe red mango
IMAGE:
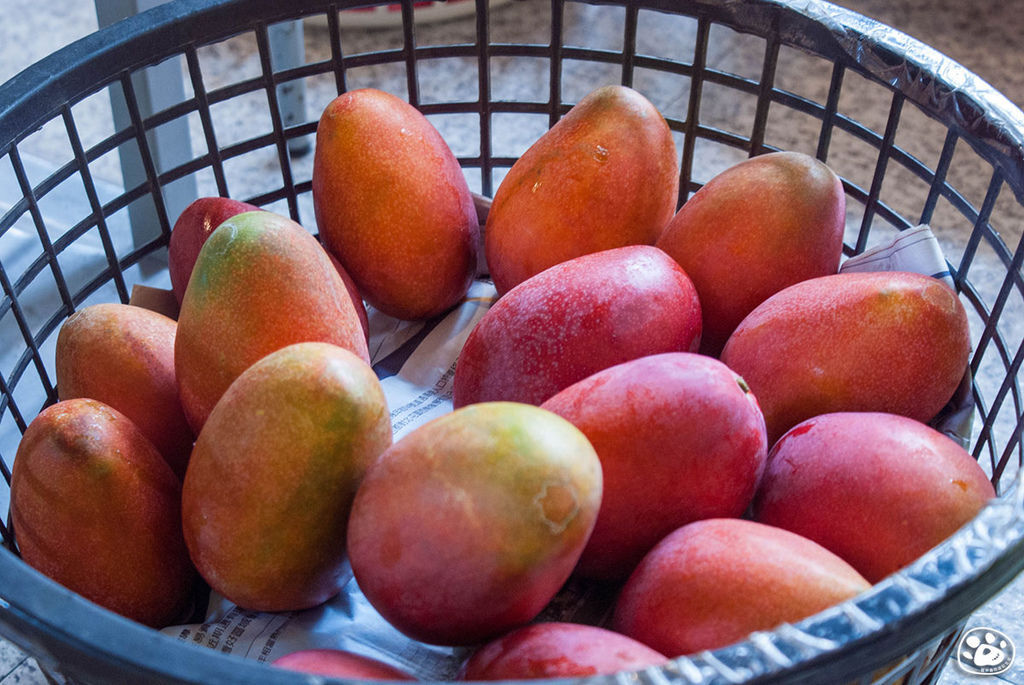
(902, 488)
(267, 495)
(754, 229)
(353, 292)
(193, 226)
(713, 582)
(392, 204)
(262, 282)
(468, 526)
(680, 438)
(606, 175)
(558, 650)
(96, 508)
(893, 342)
(574, 319)
(340, 664)
(123, 356)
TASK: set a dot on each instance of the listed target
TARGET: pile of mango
(693, 406)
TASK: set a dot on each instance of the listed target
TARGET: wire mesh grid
(732, 80)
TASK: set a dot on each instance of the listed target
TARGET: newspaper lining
(915, 249)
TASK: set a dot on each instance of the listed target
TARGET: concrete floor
(984, 36)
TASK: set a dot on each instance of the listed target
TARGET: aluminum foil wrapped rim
(941, 86)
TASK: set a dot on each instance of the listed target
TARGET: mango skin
(468, 526)
(713, 582)
(96, 508)
(606, 175)
(190, 231)
(680, 438)
(392, 205)
(894, 342)
(573, 320)
(558, 650)
(902, 487)
(267, 495)
(339, 664)
(353, 292)
(194, 226)
(262, 282)
(123, 356)
(754, 229)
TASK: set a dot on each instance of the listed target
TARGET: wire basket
(732, 78)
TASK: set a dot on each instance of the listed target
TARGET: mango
(195, 224)
(605, 176)
(261, 282)
(339, 663)
(558, 650)
(96, 508)
(267, 494)
(392, 205)
(467, 527)
(190, 231)
(123, 356)
(754, 229)
(894, 342)
(680, 438)
(713, 582)
(353, 292)
(902, 488)
(573, 320)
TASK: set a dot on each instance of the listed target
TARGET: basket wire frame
(94, 65)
